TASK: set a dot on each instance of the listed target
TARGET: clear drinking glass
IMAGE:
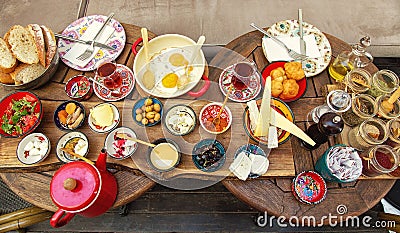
(107, 71)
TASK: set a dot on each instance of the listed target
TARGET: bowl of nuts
(147, 111)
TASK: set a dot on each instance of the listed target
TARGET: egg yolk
(177, 59)
(170, 80)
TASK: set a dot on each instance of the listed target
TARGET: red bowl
(309, 187)
(79, 88)
(5, 104)
(302, 83)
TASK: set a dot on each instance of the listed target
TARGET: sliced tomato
(30, 98)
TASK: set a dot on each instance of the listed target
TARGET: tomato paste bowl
(79, 88)
(20, 114)
(209, 112)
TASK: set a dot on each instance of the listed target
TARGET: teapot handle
(203, 90)
(58, 219)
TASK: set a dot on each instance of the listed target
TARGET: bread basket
(40, 81)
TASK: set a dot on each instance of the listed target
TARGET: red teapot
(82, 188)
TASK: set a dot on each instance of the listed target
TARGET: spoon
(148, 78)
(217, 119)
(196, 50)
(124, 136)
(387, 105)
(77, 155)
(114, 93)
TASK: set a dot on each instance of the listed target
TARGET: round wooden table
(274, 196)
(32, 183)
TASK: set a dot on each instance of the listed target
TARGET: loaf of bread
(25, 73)
(7, 60)
(22, 44)
(51, 44)
(37, 34)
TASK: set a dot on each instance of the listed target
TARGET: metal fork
(89, 51)
(293, 54)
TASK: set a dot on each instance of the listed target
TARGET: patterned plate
(290, 28)
(281, 108)
(236, 95)
(128, 83)
(78, 28)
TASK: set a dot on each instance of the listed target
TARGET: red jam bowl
(79, 88)
(309, 187)
(27, 123)
(209, 112)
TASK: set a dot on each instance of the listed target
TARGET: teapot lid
(75, 186)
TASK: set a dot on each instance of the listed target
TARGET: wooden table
(274, 195)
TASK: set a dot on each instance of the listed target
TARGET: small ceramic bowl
(104, 129)
(209, 112)
(200, 159)
(162, 161)
(35, 117)
(309, 187)
(254, 149)
(139, 107)
(61, 116)
(68, 140)
(119, 148)
(79, 88)
(33, 148)
(180, 120)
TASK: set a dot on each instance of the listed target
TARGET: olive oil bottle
(346, 61)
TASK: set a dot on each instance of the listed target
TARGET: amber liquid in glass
(112, 78)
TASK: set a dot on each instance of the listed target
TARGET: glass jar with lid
(383, 82)
(363, 107)
(369, 133)
(384, 111)
(378, 160)
(358, 80)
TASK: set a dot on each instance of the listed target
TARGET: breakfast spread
(284, 80)
(25, 53)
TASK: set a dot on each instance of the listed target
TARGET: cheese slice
(241, 166)
(102, 115)
(264, 116)
(253, 114)
(259, 164)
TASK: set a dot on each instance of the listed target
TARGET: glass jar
(383, 112)
(383, 82)
(396, 172)
(378, 160)
(369, 133)
(393, 127)
(363, 107)
(358, 80)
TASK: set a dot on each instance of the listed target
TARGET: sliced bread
(50, 42)
(36, 32)
(25, 73)
(6, 78)
(22, 44)
(7, 60)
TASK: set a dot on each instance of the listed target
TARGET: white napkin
(344, 163)
(78, 48)
(275, 52)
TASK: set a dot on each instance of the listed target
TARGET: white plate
(61, 155)
(108, 128)
(32, 159)
(313, 66)
(110, 139)
(77, 29)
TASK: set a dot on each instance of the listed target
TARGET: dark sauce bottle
(329, 124)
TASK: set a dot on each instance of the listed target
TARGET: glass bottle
(329, 124)
(369, 133)
(383, 82)
(363, 107)
(378, 160)
(346, 60)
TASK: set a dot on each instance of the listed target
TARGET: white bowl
(207, 112)
(108, 128)
(108, 143)
(64, 157)
(39, 145)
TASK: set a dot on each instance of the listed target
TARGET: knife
(97, 44)
(301, 32)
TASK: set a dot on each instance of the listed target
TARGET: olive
(139, 117)
(157, 116)
(148, 102)
(138, 111)
(157, 107)
(145, 121)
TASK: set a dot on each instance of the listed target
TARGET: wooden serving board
(281, 159)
